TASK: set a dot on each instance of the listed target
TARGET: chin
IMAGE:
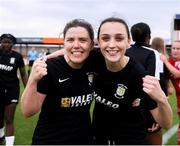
(78, 60)
(113, 59)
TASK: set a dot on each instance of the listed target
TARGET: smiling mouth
(112, 52)
(77, 53)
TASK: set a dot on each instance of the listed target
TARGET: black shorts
(11, 95)
(31, 62)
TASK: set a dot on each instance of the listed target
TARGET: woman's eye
(83, 40)
(105, 38)
(119, 39)
(69, 40)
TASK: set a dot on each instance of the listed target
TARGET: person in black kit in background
(10, 62)
(150, 59)
(1, 115)
(63, 91)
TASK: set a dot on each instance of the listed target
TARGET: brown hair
(158, 44)
(81, 23)
(114, 19)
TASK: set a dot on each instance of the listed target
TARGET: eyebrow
(115, 34)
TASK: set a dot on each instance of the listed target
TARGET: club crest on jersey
(90, 77)
(120, 91)
(65, 102)
(12, 60)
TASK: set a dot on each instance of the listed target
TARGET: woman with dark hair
(63, 91)
(118, 81)
(10, 62)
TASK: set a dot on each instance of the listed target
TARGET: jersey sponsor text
(76, 101)
(105, 101)
(6, 67)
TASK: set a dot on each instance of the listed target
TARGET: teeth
(76, 53)
(112, 52)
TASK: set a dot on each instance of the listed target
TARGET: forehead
(176, 44)
(77, 32)
(113, 27)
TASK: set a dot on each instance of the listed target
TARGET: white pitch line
(169, 134)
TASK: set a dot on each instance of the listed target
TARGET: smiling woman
(120, 80)
(64, 93)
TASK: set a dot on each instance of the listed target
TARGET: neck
(117, 66)
(5, 51)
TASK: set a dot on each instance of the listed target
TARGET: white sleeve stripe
(159, 64)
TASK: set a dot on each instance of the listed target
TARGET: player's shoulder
(16, 54)
(56, 61)
(137, 67)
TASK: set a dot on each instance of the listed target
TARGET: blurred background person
(150, 60)
(10, 62)
(44, 52)
(47, 51)
(173, 65)
(159, 45)
(31, 56)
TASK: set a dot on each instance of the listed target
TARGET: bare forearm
(56, 53)
(30, 102)
(164, 114)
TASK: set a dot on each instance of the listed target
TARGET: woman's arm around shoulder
(56, 53)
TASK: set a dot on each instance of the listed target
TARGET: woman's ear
(129, 42)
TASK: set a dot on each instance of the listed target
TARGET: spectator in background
(31, 56)
(47, 51)
(173, 65)
(10, 62)
(150, 59)
(159, 45)
(42, 53)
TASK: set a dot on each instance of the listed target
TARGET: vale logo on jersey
(76, 101)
